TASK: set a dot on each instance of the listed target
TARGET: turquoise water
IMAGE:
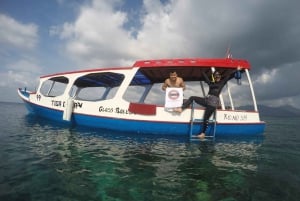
(42, 160)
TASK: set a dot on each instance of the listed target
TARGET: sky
(42, 37)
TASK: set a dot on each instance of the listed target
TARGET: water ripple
(41, 160)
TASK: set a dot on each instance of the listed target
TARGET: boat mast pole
(230, 97)
(252, 90)
(222, 102)
(202, 88)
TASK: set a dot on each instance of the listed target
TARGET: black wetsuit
(211, 101)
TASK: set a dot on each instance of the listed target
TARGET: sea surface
(41, 160)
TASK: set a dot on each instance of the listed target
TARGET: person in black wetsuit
(211, 101)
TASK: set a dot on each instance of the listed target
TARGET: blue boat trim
(145, 127)
(24, 93)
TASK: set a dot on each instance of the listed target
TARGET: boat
(130, 99)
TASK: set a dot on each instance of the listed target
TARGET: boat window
(91, 93)
(156, 95)
(135, 93)
(54, 86)
(97, 86)
(141, 89)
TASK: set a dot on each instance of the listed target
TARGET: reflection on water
(83, 163)
(50, 161)
(244, 154)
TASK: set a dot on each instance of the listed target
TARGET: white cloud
(11, 80)
(266, 77)
(16, 34)
(283, 101)
(173, 29)
(28, 65)
(18, 64)
(279, 86)
(103, 34)
(97, 36)
(20, 73)
(161, 34)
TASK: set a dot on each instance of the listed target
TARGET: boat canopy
(153, 71)
(217, 62)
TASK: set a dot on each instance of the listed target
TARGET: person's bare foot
(178, 109)
(202, 135)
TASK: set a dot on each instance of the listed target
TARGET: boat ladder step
(195, 120)
(201, 120)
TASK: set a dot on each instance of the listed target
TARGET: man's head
(173, 75)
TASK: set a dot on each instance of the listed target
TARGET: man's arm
(182, 84)
(165, 85)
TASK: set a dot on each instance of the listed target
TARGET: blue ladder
(193, 120)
